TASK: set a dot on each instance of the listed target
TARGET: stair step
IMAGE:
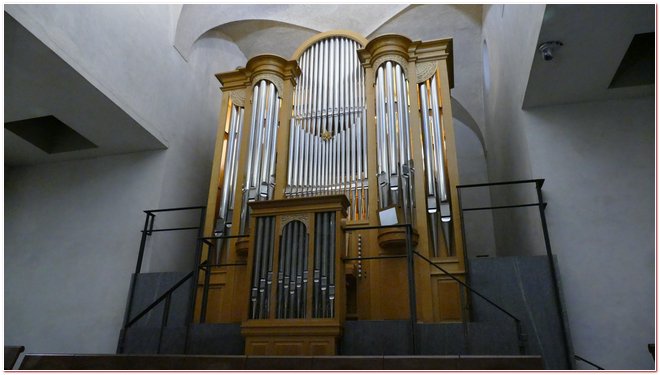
(241, 362)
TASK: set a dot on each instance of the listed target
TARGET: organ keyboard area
(344, 132)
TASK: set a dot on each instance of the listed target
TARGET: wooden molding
(328, 34)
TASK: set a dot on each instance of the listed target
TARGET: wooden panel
(393, 277)
(256, 347)
(447, 300)
(288, 347)
(321, 348)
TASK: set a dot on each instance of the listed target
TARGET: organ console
(347, 134)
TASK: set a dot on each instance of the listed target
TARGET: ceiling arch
(255, 37)
(459, 112)
(195, 20)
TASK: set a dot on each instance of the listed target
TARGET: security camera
(546, 49)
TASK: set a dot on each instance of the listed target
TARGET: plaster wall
(598, 160)
(71, 238)
(472, 169)
(510, 34)
(72, 228)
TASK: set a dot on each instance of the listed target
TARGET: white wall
(598, 159)
(72, 228)
(71, 238)
(472, 169)
(510, 32)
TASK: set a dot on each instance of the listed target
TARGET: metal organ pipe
(393, 132)
(260, 172)
(438, 205)
(262, 273)
(227, 196)
(327, 148)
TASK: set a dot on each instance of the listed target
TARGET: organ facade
(319, 161)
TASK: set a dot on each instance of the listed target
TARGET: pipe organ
(309, 151)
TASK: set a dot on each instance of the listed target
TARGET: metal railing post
(163, 323)
(205, 292)
(131, 288)
(464, 318)
(521, 338)
(195, 279)
(553, 274)
(411, 288)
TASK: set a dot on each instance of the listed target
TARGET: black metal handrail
(542, 205)
(148, 230)
(468, 287)
(587, 362)
(166, 295)
(411, 281)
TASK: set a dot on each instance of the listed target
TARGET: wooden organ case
(349, 133)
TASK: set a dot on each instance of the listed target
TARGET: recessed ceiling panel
(638, 65)
(45, 90)
(49, 134)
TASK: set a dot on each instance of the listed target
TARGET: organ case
(366, 125)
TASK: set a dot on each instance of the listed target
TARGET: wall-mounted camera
(547, 49)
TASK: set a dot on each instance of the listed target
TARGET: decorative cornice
(236, 79)
(276, 80)
(434, 50)
(394, 58)
(286, 219)
(238, 97)
(385, 45)
(271, 67)
(328, 34)
(425, 71)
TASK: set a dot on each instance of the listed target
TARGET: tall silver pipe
(330, 83)
(222, 211)
(253, 137)
(271, 249)
(284, 244)
(381, 132)
(363, 132)
(402, 131)
(293, 250)
(360, 152)
(296, 158)
(289, 164)
(331, 264)
(258, 122)
(316, 277)
(406, 118)
(398, 74)
(326, 166)
(303, 292)
(380, 124)
(428, 152)
(273, 150)
(445, 214)
(254, 290)
(234, 157)
(269, 129)
(263, 290)
(391, 126)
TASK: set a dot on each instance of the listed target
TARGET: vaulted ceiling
(595, 39)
